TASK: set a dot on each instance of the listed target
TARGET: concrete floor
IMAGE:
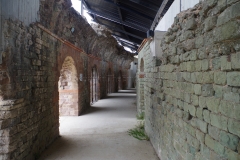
(102, 134)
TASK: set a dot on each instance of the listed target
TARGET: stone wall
(191, 98)
(33, 71)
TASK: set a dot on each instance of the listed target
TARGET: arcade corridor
(102, 134)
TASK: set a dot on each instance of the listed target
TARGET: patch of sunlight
(76, 4)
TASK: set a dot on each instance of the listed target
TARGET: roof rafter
(119, 30)
(159, 14)
(126, 40)
(121, 18)
(128, 24)
(146, 5)
(130, 10)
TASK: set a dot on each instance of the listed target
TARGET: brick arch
(68, 88)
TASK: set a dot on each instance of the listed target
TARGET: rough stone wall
(60, 18)
(32, 61)
(192, 104)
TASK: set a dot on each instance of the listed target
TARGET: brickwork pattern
(192, 103)
(29, 104)
(33, 57)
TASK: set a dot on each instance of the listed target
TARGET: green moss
(138, 132)
(140, 116)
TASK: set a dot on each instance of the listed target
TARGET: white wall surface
(176, 7)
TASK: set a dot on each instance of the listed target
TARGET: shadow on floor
(127, 91)
(62, 143)
(120, 97)
(98, 109)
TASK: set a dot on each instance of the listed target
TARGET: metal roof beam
(128, 24)
(131, 20)
(130, 34)
(121, 18)
(159, 14)
(124, 45)
(86, 4)
(130, 10)
(130, 44)
(126, 40)
(127, 45)
(118, 30)
(146, 5)
(133, 47)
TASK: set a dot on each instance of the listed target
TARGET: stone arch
(68, 89)
(142, 65)
(94, 85)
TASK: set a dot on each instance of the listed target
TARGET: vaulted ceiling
(129, 20)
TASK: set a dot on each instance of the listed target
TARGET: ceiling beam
(121, 18)
(129, 46)
(124, 45)
(130, 34)
(119, 30)
(159, 14)
(130, 43)
(86, 4)
(126, 40)
(129, 20)
(130, 10)
(146, 5)
(133, 47)
(128, 24)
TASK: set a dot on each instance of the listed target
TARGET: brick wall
(32, 65)
(29, 97)
(191, 101)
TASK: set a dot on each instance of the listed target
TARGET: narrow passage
(102, 134)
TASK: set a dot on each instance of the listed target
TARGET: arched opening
(94, 85)
(142, 65)
(109, 81)
(120, 81)
(68, 89)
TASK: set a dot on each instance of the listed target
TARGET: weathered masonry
(190, 89)
(51, 62)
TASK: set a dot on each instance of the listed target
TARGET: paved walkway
(102, 134)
